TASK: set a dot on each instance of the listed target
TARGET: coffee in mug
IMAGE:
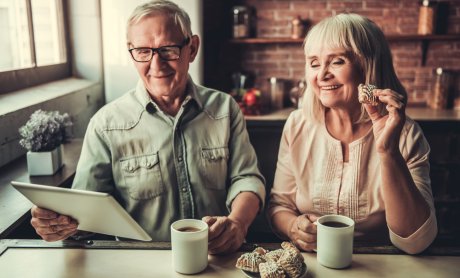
(188, 229)
(189, 244)
(335, 224)
(335, 241)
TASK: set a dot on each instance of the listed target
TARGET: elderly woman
(339, 156)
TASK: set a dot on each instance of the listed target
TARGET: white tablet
(95, 211)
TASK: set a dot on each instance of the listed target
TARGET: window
(33, 43)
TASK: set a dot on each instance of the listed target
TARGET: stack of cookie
(284, 262)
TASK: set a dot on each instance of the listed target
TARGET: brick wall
(393, 16)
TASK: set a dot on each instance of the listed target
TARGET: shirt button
(180, 158)
(184, 189)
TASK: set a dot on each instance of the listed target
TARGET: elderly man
(169, 149)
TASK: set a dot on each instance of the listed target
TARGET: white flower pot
(44, 163)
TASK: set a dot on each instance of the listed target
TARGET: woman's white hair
(161, 7)
(366, 42)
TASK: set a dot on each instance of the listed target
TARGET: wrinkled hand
(226, 234)
(52, 226)
(303, 232)
(387, 128)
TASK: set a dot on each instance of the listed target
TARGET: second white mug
(335, 240)
(189, 244)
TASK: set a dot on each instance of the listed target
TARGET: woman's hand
(303, 232)
(387, 128)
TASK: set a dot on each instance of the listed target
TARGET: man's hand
(226, 234)
(52, 226)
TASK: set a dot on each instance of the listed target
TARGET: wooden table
(36, 258)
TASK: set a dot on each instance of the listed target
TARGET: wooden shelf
(391, 38)
(424, 39)
(265, 40)
(421, 114)
(415, 37)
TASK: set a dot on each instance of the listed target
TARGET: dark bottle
(241, 22)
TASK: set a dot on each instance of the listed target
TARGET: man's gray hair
(161, 7)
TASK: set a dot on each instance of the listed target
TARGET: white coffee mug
(189, 244)
(335, 240)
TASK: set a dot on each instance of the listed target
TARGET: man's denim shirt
(163, 168)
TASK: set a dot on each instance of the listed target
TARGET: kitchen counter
(416, 113)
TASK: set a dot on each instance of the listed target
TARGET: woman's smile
(330, 87)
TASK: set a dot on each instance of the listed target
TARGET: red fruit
(250, 98)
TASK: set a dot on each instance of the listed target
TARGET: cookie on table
(250, 261)
(271, 269)
(274, 255)
(260, 251)
(291, 263)
(289, 246)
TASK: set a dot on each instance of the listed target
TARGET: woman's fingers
(390, 97)
(305, 246)
(304, 235)
(305, 241)
(307, 237)
(394, 101)
(372, 111)
(305, 223)
(388, 92)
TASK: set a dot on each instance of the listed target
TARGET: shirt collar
(146, 101)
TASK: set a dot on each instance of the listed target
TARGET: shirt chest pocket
(214, 167)
(142, 176)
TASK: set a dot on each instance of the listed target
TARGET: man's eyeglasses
(166, 53)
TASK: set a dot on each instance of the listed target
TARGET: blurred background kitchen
(71, 56)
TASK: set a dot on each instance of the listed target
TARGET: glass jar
(296, 93)
(297, 28)
(442, 86)
(241, 22)
(427, 18)
(277, 94)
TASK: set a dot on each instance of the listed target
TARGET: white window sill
(79, 98)
(15, 101)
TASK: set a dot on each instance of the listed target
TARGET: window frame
(18, 79)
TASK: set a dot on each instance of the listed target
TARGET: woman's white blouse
(311, 178)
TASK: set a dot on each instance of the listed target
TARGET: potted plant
(42, 136)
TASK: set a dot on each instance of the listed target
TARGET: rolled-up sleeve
(420, 239)
(244, 174)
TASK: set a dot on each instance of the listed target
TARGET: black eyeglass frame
(158, 49)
